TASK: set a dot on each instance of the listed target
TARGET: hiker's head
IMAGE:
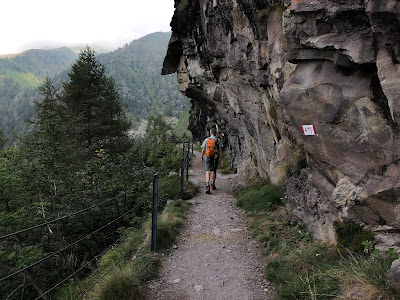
(212, 131)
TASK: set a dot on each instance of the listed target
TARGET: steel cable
(64, 217)
(109, 270)
(114, 265)
(69, 246)
(93, 259)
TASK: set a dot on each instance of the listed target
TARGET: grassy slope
(31, 67)
(24, 79)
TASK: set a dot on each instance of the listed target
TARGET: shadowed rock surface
(262, 69)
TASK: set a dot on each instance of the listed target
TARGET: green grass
(362, 274)
(197, 147)
(300, 268)
(122, 280)
(127, 281)
(168, 227)
(259, 195)
(300, 273)
(25, 80)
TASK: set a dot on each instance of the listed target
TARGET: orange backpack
(210, 147)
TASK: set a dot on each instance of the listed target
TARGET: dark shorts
(211, 164)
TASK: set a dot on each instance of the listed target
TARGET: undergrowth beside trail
(259, 196)
(170, 188)
(227, 168)
(138, 264)
(301, 268)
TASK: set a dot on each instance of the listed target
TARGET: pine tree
(95, 106)
(49, 120)
(3, 139)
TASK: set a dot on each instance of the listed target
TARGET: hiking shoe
(208, 189)
(213, 186)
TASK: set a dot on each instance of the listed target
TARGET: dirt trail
(215, 257)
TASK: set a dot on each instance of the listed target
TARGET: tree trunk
(39, 289)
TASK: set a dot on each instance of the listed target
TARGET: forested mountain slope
(135, 67)
(19, 77)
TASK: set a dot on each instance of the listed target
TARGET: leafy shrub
(352, 236)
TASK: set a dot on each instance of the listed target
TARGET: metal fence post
(182, 175)
(154, 214)
(187, 161)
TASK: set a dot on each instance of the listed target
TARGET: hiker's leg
(209, 168)
(207, 176)
(214, 173)
(213, 176)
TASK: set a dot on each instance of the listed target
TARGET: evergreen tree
(50, 134)
(95, 106)
(49, 147)
(2, 139)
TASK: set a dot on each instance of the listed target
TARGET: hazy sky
(28, 24)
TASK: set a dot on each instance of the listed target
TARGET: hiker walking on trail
(212, 148)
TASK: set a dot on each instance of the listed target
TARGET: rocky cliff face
(260, 69)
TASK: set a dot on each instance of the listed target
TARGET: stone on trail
(217, 231)
(199, 288)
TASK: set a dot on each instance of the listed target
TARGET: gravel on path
(215, 256)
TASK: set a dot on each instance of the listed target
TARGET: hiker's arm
(202, 154)
(221, 154)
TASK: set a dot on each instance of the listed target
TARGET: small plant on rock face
(296, 163)
(353, 236)
(305, 236)
(391, 254)
(227, 168)
(368, 246)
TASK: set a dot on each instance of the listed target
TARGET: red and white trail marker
(309, 130)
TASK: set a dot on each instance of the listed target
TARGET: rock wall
(260, 69)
